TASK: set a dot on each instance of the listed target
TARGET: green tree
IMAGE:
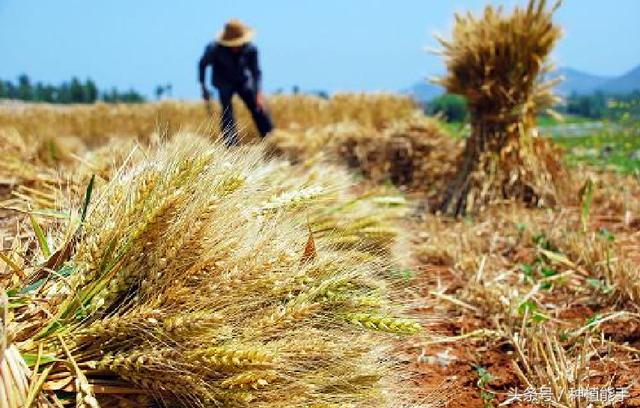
(159, 91)
(76, 91)
(111, 96)
(90, 91)
(591, 106)
(25, 90)
(12, 90)
(49, 94)
(452, 107)
(38, 92)
(130, 96)
(64, 93)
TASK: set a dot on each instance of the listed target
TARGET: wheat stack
(413, 152)
(496, 61)
(203, 277)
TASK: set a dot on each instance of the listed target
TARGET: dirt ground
(449, 370)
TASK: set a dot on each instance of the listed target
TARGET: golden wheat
(190, 281)
(496, 61)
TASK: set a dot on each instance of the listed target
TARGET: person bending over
(234, 62)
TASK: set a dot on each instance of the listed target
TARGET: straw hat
(235, 34)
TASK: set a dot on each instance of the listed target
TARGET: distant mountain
(585, 83)
(626, 83)
(423, 91)
(576, 81)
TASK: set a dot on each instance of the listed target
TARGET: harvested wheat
(192, 281)
(496, 61)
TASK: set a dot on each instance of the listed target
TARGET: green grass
(546, 120)
(458, 130)
(612, 145)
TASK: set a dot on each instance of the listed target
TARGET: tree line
(73, 91)
(594, 106)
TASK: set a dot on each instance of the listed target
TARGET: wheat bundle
(496, 61)
(412, 152)
(304, 145)
(204, 277)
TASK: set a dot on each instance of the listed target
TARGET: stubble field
(133, 221)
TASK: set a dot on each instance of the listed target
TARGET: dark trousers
(248, 95)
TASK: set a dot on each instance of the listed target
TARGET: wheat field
(358, 256)
(129, 251)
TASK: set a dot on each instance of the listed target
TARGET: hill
(578, 81)
(575, 81)
(626, 83)
(585, 83)
(423, 91)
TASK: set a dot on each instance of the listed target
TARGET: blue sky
(329, 44)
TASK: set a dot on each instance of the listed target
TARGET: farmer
(234, 60)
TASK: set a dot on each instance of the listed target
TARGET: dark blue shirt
(231, 68)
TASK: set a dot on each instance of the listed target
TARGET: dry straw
(413, 152)
(497, 62)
